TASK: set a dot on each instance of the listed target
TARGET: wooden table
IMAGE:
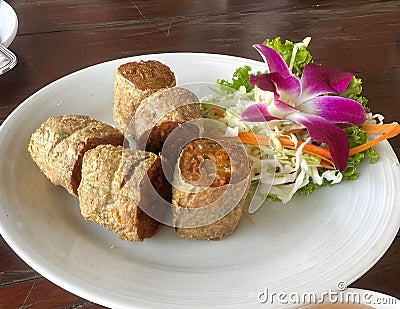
(57, 37)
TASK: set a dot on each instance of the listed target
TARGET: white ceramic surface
(8, 24)
(309, 244)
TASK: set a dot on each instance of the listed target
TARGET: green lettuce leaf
(310, 187)
(302, 58)
(239, 79)
(353, 92)
(357, 136)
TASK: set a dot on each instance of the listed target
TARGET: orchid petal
(263, 81)
(317, 80)
(256, 113)
(324, 131)
(288, 87)
(280, 109)
(335, 109)
(274, 61)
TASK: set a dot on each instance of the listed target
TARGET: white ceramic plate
(308, 244)
(8, 24)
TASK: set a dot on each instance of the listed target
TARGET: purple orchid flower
(304, 101)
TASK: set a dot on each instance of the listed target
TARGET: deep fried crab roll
(58, 146)
(160, 114)
(117, 185)
(210, 183)
(135, 81)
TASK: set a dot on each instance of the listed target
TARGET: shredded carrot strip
(308, 148)
(258, 139)
(253, 139)
(217, 111)
(322, 153)
(379, 128)
(388, 130)
(327, 165)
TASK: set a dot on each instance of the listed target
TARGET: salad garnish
(304, 125)
(305, 101)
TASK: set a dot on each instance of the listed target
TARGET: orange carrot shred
(388, 130)
(217, 111)
(258, 139)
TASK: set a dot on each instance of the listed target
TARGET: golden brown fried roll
(114, 184)
(211, 181)
(160, 114)
(135, 81)
(59, 144)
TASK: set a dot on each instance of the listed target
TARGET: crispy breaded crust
(187, 194)
(214, 231)
(159, 114)
(58, 146)
(114, 184)
(134, 82)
